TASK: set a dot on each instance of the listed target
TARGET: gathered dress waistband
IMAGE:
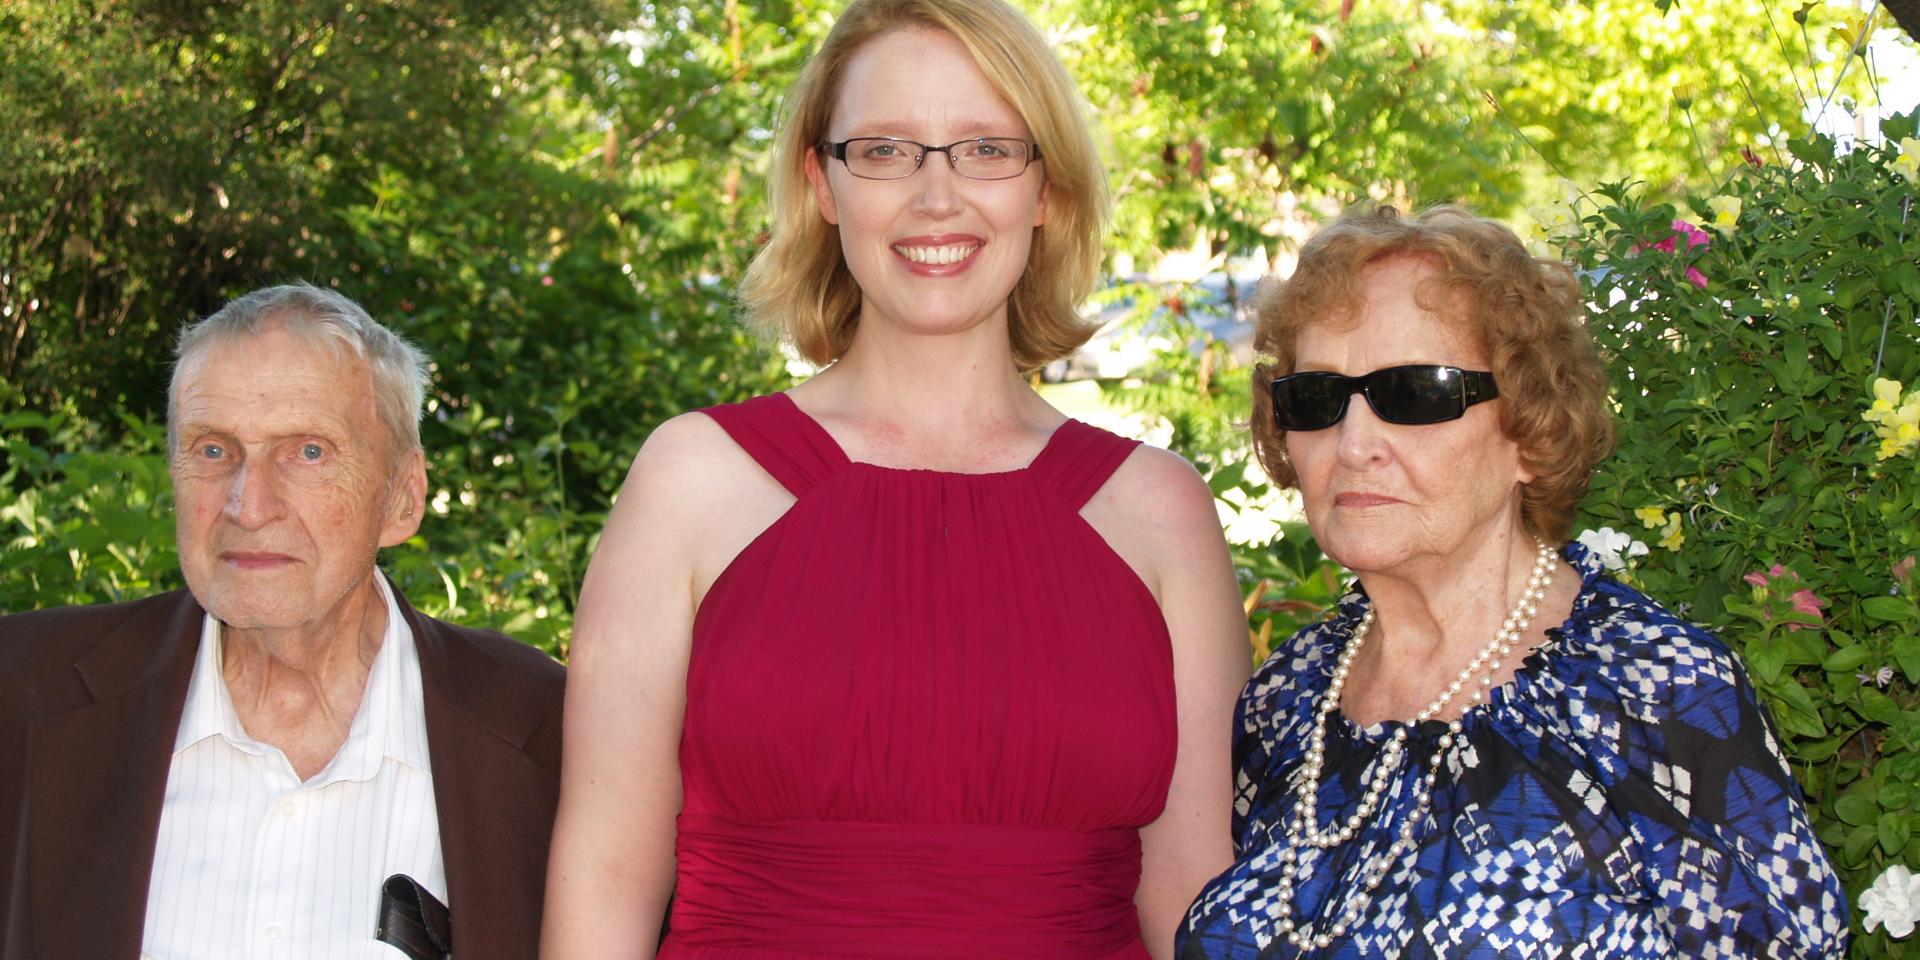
(759, 891)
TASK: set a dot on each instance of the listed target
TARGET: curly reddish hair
(1523, 312)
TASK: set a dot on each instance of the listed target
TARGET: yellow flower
(1651, 516)
(1907, 161)
(1671, 538)
(1886, 393)
(1726, 213)
(1851, 32)
(1898, 427)
(1908, 416)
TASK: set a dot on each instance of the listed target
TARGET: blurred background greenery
(556, 198)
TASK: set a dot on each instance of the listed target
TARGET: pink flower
(1805, 602)
(1696, 237)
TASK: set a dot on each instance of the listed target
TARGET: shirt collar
(391, 722)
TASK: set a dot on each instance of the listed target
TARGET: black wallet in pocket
(413, 920)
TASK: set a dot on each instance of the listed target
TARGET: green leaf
(1906, 652)
(1893, 831)
(1890, 609)
(1857, 810)
(1896, 795)
(1846, 660)
(1768, 658)
(1875, 706)
(1859, 841)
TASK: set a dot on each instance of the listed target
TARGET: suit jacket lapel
(495, 803)
(97, 777)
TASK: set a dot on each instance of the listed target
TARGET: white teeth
(951, 253)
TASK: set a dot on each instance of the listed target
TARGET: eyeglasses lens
(985, 158)
(1311, 401)
(1414, 394)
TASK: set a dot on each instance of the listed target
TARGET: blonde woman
(905, 663)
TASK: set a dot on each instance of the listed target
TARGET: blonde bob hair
(799, 288)
(1523, 312)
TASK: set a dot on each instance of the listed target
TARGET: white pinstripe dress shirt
(251, 862)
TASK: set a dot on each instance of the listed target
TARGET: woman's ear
(822, 190)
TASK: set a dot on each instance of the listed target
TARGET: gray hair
(326, 319)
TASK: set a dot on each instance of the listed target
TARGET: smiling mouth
(937, 256)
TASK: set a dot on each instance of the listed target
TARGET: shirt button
(289, 807)
(273, 932)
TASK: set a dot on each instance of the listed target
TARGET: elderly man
(234, 769)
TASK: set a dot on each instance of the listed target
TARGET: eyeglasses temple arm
(1480, 386)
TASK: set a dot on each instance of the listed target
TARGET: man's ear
(408, 501)
(822, 190)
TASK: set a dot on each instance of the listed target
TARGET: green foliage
(521, 195)
(1225, 117)
(556, 200)
(1742, 446)
(91, 523)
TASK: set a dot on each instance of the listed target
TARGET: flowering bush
(1767, 455)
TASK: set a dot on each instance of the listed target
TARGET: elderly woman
(1490, 749)
(904, 663)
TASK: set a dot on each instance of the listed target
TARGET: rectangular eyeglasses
(892, 158)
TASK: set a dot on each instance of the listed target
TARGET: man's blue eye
(212, 451)
(311, 452)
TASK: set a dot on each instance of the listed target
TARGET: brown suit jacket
(90, 700)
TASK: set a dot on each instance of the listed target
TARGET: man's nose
(253, 496)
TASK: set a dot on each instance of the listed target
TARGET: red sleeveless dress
(927, 714)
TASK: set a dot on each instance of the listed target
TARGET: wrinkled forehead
(275, 374)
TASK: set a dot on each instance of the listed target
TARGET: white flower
(1612, 547)
(1894, 899)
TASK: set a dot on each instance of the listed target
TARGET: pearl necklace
(1305, 838)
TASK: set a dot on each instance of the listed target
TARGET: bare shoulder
(685, 449)
(1159, 490)
(1158, 515)
(691, 467)
(691, 501)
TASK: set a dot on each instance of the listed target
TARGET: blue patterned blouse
(1622, 797)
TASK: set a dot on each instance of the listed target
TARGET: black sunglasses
(1416, 393)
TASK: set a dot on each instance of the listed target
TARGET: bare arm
(612, 867)
(1163, 520)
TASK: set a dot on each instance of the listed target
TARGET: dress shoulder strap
(1078, 460)
(782, 439)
